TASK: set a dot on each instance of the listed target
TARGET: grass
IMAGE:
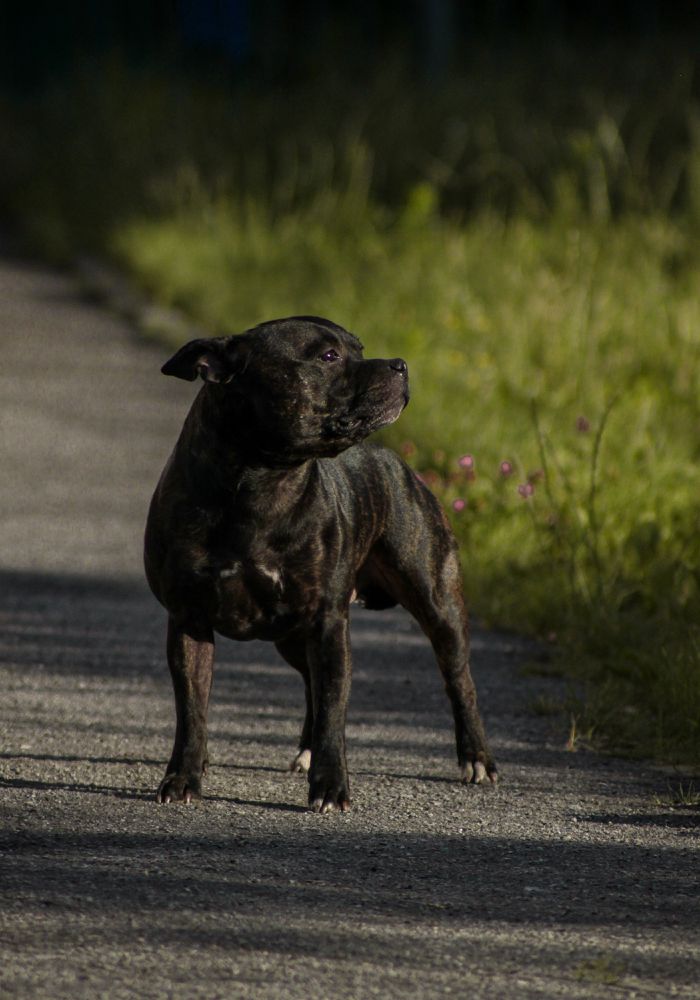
(681, 795)
(551, 332)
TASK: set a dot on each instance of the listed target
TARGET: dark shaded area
(275, 40)
(520, 881)
(120, 109)
(100, 632)
(678, 819)
(95, 627)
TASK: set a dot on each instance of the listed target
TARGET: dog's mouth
(371, 416)
(391, 412)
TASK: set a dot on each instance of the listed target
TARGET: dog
(272, 516)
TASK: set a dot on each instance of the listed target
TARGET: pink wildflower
(432, 479)
(459, 504)
(467, 461)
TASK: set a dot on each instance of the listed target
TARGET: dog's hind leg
(431, 589)
(443, 618)
(191, 662)
(293, 650)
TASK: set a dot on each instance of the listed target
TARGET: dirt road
(575, 878)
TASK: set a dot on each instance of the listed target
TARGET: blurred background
(506, 193)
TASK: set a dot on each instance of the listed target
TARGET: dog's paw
(330, 802)
(479, 772)
(329, 794)
(179, 788)
(301, 763)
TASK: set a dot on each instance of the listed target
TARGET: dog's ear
(205, 357)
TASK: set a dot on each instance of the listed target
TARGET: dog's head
(294, 389)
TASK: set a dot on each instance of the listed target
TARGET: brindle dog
(271, 517)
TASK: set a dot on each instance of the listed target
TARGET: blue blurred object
(218, 25)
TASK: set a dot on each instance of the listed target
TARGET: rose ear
(205, 357)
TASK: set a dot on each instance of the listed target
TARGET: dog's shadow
(131, 793)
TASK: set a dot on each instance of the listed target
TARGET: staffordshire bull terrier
(271, 517)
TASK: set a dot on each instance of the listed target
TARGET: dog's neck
(223, 465)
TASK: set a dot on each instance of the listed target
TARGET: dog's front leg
(328, 653)
(191, 662)
(293, 650)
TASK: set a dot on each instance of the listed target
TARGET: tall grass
(551, 326)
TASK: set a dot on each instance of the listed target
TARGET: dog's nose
(399, 365)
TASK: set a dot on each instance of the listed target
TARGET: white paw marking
(301, 763)
(477, 774)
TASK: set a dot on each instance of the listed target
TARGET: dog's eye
(330, 356)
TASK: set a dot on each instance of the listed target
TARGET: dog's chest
(258, 598)
(258, 575)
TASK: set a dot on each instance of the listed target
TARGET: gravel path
(574, 878)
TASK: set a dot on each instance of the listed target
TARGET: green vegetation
(680, 795)
(551, 325)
